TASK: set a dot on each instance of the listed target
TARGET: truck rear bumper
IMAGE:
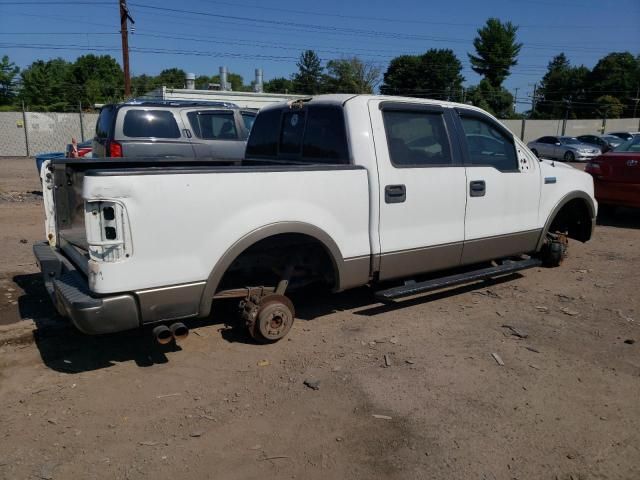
(71, 296)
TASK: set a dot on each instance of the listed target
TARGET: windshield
(632, 145)
(570, 141)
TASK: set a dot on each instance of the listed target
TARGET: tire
(569, 157)
(554, 251)
(535, 152)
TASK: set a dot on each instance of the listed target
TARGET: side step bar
(437, 283)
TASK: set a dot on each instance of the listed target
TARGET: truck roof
(342, 98)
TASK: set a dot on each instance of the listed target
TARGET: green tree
(496, 100)
(8, 74)
(609, 106)
(563, 85)
(96, 79)
(402, 76)
(172, 78)
(278, 85)
(308, 80)
(143, 84)
(435, 74)
(45, 85)
(351, 75)
(618, 75)
(496, 51)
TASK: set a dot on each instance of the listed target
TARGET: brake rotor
(273, 320)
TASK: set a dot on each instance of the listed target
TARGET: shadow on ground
(620, 217)
(65, 349)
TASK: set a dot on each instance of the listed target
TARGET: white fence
(30, 133)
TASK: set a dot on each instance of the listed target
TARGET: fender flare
(279, 228)
(576, 194)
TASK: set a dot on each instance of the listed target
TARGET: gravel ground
(405, 391)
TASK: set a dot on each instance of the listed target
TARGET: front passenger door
(502, 193)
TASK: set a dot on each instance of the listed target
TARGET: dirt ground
(565, 404)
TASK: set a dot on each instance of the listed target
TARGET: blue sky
(246, 34)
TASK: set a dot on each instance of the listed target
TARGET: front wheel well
(575, 219)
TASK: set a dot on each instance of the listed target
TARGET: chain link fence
(24, 134)
(30, 133)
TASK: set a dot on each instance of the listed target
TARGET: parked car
(569, 149)
(623, 135)
(175, 129)
(616, 175)
(338, 191)
(603, 142)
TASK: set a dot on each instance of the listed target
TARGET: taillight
(107, 230)
(593, 168)
(115, 149)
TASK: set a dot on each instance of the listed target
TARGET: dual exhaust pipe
(164, 334)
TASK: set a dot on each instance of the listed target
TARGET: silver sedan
(569, 149)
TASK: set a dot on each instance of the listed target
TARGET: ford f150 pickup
(338, 190)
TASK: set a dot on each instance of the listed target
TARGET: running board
(427, 286)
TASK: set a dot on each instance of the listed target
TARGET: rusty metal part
(555, 248)
(241, 292)
(274, 318)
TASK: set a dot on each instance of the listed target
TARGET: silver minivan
(173, 129)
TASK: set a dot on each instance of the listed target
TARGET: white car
(338, 190)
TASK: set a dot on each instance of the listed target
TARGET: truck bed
(181, 216)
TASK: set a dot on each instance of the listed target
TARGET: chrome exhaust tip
(162, 334)
(179, 331)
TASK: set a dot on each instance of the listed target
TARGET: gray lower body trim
(499, 246)
(419, 260)
(170, 303)
(355, 272)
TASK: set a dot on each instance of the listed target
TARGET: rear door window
(416, 138)
(150, 123)
(213, 125)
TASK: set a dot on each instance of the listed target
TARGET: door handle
(395, 193)
(477, 188)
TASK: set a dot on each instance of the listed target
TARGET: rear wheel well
(264, 263)
(574, 218)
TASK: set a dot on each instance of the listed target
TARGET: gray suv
(173, 129)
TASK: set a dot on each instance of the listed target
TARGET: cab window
(489, 146)
(416, 138)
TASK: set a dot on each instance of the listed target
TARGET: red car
(616, 175)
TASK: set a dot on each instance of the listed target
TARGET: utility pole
(515, 100)
(124, 33)
(636, 100)
(533, 98)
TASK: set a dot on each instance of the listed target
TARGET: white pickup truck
(337, 191)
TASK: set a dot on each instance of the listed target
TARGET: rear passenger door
(216, 133)
(422, 181)
(502, 193)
